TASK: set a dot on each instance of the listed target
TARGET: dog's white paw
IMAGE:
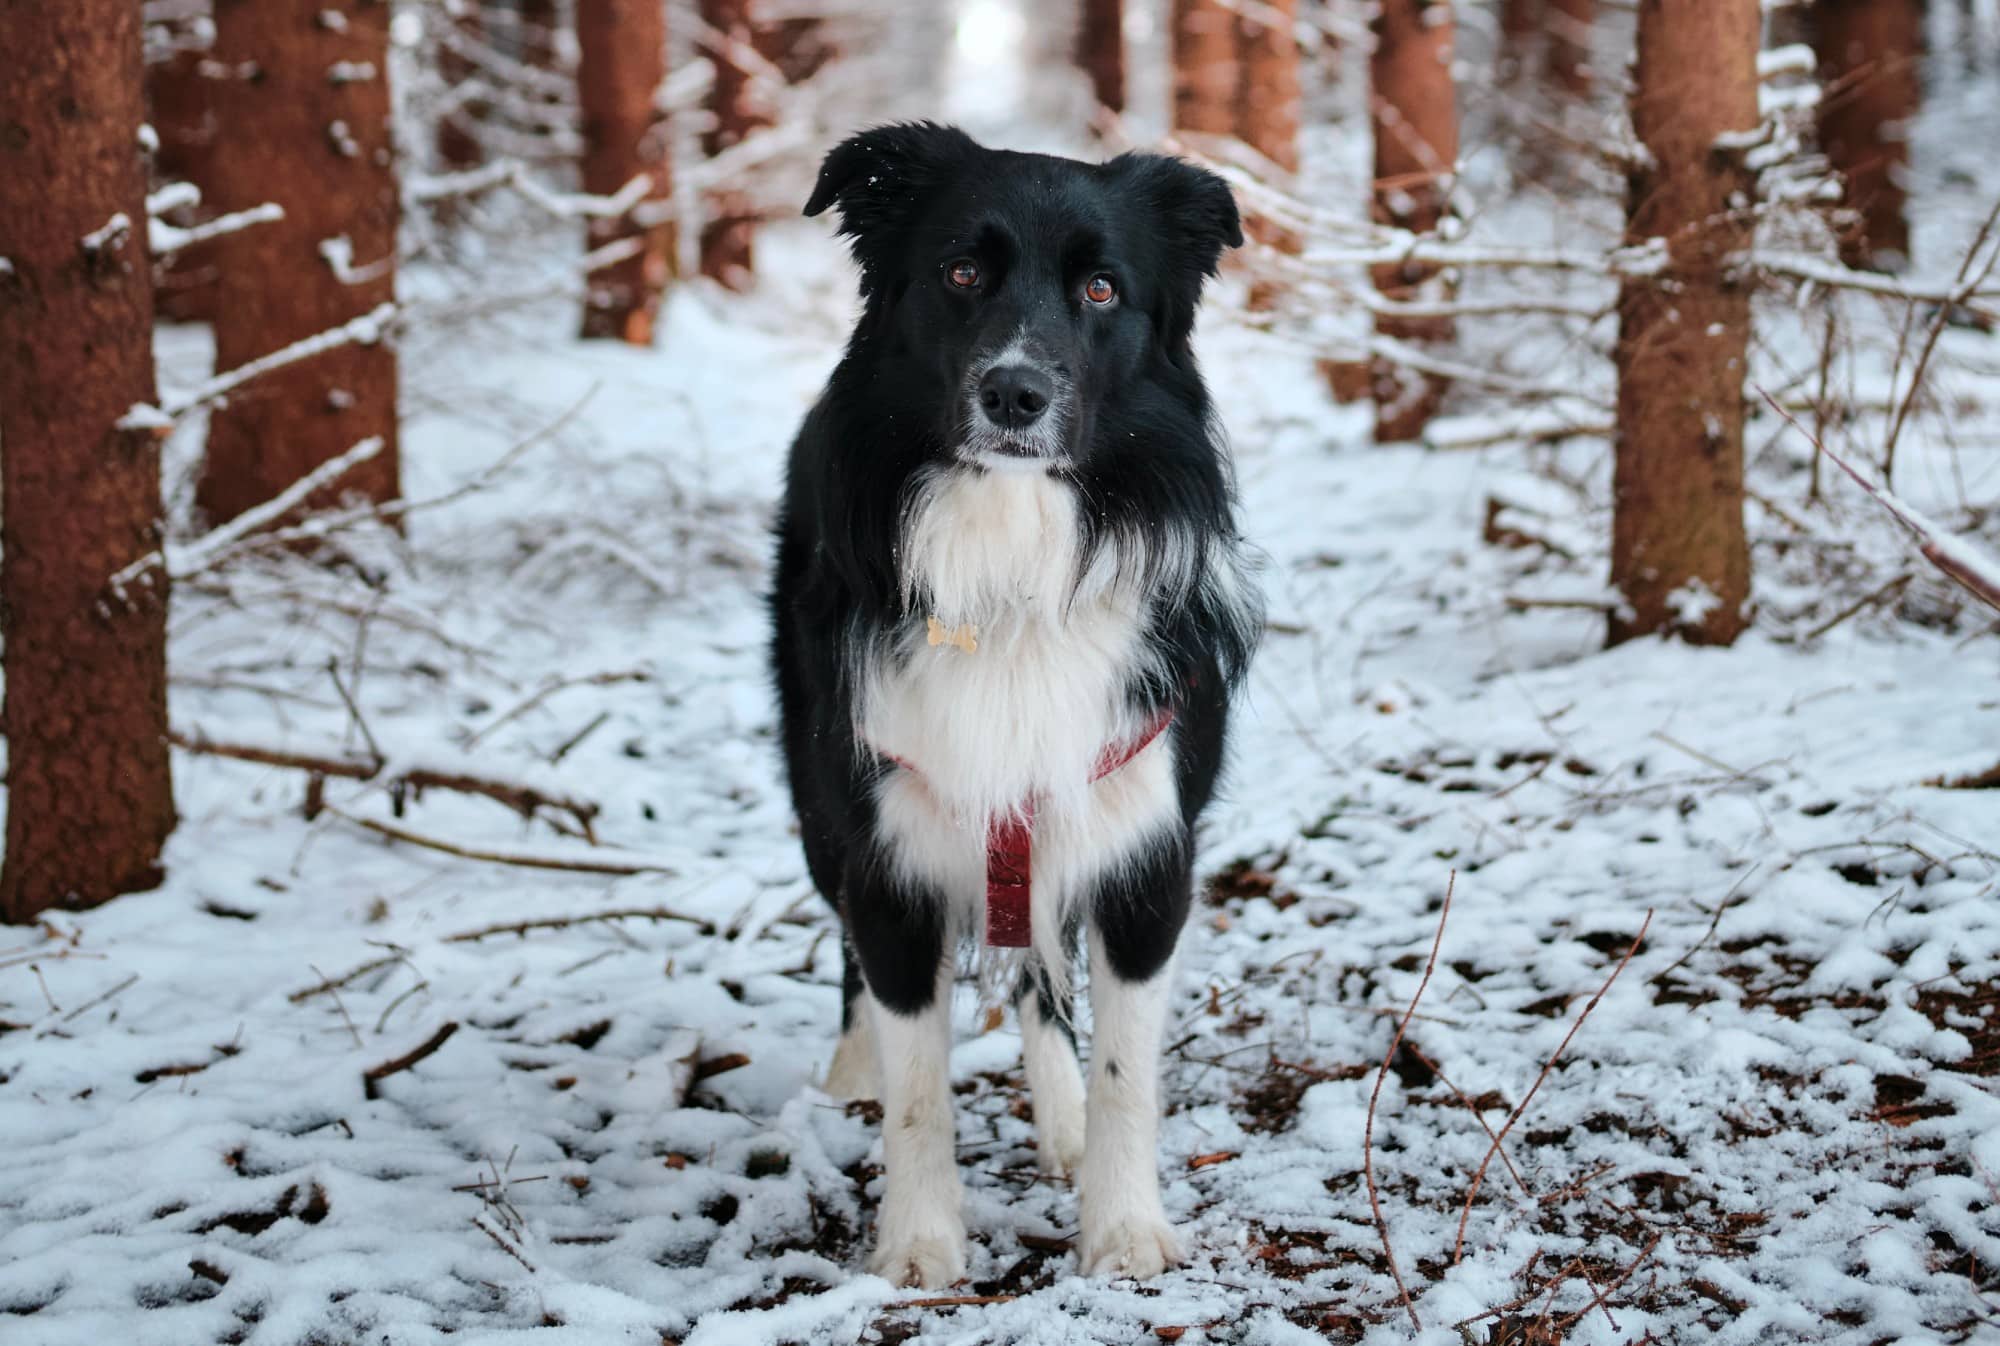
(1136, 1246)
(1059, 1135)
(927, 1261)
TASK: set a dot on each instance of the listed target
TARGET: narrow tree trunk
(1205, 67)
(1520, 38)
(797, 46)
(1100, 50)
(1679, 560)
(1416, 149)
(181, 114)
(1569, 23)
(1268, 113)
(729, 220)
(622, 46)
(306, 107)
(89, 797)
(457, 131)
(541, 28)
(1868, 53)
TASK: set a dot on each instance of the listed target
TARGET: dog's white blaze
(1124, 1228)
(1025, 716)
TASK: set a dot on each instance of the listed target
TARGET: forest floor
(1722, 952)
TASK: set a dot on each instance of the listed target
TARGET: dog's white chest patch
(1025, 709)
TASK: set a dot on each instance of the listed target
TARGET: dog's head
(1016, 298)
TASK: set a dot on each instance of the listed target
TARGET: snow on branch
(165, 238)
(1804, 266)
(1964, 563)
(516, 176)
(186, 559)
(365, 330)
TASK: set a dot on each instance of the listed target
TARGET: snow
(1775, 1119)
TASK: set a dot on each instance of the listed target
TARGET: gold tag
(964, 637)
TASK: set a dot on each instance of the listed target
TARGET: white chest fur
(1027, 713)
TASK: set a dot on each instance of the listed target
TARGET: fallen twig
(1375, 1095)
(951, 1301)
(374, 1075)
(519, 859)
(525, 800)
(522, 928)
(1479, 1175)
(326, 983)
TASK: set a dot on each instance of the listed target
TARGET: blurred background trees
(1542, 222)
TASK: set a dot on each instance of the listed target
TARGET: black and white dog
(1010, 611)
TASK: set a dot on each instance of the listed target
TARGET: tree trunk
(89, 796)
(797, 46)
(181, 114)
(1268, 112)
(1569, 23)
(540, 31)
(306, 107)
(622, 47)
(729, 220)
(1679, 560)
(457, 130)
(1868, 53)
(1415, 117)
(1100, 50)
(1520, 38)
(1205, 67)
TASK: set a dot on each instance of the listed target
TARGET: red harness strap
(1010, 843)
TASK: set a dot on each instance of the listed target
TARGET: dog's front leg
(1125, 1229)
(920, 1233)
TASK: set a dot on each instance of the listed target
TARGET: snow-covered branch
(165, 239)
(518, 177)
(1963, 562)
(365, 330)
(192, 558)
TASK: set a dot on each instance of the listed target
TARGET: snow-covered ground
(1777, 1124)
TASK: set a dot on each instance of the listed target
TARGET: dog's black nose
(1015, 396)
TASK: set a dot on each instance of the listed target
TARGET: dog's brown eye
(1100, 290)
(964, 273)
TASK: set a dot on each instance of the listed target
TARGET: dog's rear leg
(854, 1072)
(1055, 1081)
(1136, 921)
(900, 939)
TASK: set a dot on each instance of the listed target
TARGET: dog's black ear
(878, 176)
(1196, 205)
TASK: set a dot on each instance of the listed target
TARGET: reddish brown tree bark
(729, 220)
(1679, 560)
(1268, 112)
(183, 118)
(540, 31)
(1415, 113)
(1520, 34)
(622, 47)
(797, 46)
(1100, 50)
(1868, 53)
(1569, 24)
(306, 108)
(89, 797)
(1206, 68)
